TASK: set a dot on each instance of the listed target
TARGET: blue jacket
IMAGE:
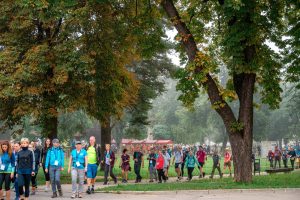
(55, 154)
(8, 162)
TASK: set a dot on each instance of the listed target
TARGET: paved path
(270, 194)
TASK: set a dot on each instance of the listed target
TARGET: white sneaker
(46, 189)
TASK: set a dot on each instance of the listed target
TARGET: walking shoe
(151, 181)
(73, 196)
(46, 189)
(115, 181)
(79, 195)
(60, 193)
(88, 191)
(54, 195)
(32, 192)
(203, 174)
(105, 183)
(92, 190)
(136, 181)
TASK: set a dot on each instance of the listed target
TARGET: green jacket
(191, 161)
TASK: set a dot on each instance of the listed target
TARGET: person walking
(109, 162)
(160, 167)
(277, 156)
(201, 157)
(227, 161)
(25, 168)
(185, 153)
(77, 167)
(190, 163)
(271, 158)
(125, 165)
(46, 147)
(292, 155)
(152, 164)
(284, 158)
(94, 159)
(177, 160)
(17, 146)
(216, 165)
(37, 155)
(54, 165)
(7, 168)
(138, 158)
(166, 162)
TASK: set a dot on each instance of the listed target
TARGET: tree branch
(191, 50)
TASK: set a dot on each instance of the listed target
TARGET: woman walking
(47, 146)
(7, 167)
(190, 162)
(160, 167)
(25, 168)
(55, 162)
(78, 163)
(125, 165)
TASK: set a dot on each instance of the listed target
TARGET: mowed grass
(291, 180)
(66, 178)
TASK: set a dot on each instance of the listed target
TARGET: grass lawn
(66, 178)
(291, 180)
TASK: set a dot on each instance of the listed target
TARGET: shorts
(201, 164)
(227, 164)
(125, 167)
(92, 171)
(177, 165)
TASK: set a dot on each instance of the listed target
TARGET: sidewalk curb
(274, 190)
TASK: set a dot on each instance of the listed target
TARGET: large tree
(234, 33)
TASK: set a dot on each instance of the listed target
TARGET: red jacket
(201, 156)
(160, 162)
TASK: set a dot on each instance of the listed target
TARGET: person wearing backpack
(109, 162)
(190, 162)
(78, 164)
(55, 164)
(94, 159)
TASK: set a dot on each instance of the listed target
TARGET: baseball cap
(55, 140)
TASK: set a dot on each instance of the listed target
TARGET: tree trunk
(225, 140)
(105, 135)
(240, 136)
(50, 124)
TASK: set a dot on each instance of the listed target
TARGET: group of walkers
(20, 163)
(161, 159)
(277, 155)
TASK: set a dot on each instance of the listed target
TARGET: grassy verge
(291, 180)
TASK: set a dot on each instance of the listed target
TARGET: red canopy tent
(164, 142)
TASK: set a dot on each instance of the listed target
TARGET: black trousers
(109, 170)
(5, 178)
(285, 163)
(292, 162)
(137, 171)
(182, 169)
(190, 172)
(47, 176)
(26, 182)
(33, 180)
(161, 175)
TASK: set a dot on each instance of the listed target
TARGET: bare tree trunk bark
(105, 135)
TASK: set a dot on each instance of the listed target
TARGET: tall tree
(241, 29)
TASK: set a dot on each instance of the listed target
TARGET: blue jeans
(54, 172)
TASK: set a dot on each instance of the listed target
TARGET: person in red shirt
(227, 160)
(160, 167)
(201, 156)
(271, 158)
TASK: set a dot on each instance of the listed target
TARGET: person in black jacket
(25, 168)
(94, 159)
(46, 147)
(37, 155)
